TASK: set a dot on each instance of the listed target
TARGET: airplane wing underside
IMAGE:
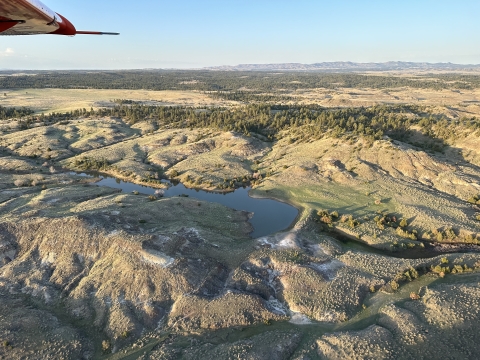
(26, 17)
(31, 17)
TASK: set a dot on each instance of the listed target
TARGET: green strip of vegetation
(230, 81)
(297, 122)
(9, 112)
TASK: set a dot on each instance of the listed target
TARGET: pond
(269, 216)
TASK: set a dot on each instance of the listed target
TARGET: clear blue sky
(197, 33)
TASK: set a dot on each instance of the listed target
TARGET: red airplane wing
(19, 17)
(29, 17)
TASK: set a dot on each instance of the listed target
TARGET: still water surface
(269, 216)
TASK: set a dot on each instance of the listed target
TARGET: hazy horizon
(187, 34)
(245, 64)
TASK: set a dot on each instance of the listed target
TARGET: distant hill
(348, 66)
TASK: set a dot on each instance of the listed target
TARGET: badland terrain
(381, 262)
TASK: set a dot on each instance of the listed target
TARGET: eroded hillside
(383, 260)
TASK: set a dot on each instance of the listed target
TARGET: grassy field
(454, 103)
(61, 100)
(458, 101)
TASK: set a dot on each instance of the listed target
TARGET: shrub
(403, 223)
(406, 234)
(87, 163)
(322, 213)
(353, 222)
(450, 233)
(326, 219)
(457, 269)
(385, 219)
(474, 199)
(349, 220)
(413, 273)
(439, 269)
(467, 268)
(20, 183)
(414, 296)
(469, 238)
(105, 345)
(394, 285)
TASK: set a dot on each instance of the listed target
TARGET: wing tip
(96, 33)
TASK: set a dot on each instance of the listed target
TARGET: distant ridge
(348, 66)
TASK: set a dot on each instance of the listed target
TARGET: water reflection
(269, 216)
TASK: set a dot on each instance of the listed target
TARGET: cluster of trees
(270, 121)
(475, 199)
(9, 113)
(449, 235)
(298, 122)
(442, 128)
(125, 102)
(26, 121)
(328, 219)
(228, 81)
(251, 97)
(87, 163)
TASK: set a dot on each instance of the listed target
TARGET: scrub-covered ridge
(382, 262)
